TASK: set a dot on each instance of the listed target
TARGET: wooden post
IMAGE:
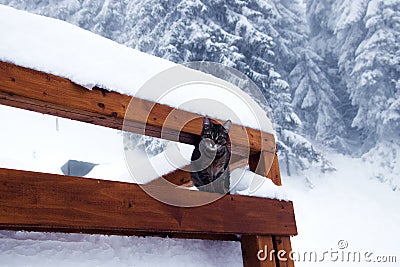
(256, 251)
(266, 164)
(282, 243)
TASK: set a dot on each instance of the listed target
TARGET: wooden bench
(34, 201)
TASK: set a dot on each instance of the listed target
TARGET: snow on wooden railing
(46, 202)
(50, 94)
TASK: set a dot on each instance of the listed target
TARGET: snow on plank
(45, 93)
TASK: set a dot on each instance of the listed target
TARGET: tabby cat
(210, 158)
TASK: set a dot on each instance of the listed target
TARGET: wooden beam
(237, 162)
(49, 94)
(178, 177)
(47, 202)
(281, 243)
(182, 177)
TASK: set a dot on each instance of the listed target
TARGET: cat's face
(214, 137)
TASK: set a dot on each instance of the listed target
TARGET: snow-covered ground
(55, 249)
(350, 205)
(343, 205)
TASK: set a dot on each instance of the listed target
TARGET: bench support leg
(266, 251)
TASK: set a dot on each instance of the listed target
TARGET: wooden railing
(47, 202)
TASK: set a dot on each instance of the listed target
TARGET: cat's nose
(213, 145)
(208, 144)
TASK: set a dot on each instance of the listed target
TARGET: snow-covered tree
(362, 39)
(376, 74)
(241, 37)
(316, 101)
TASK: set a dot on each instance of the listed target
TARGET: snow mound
(245, 182)
(57, 249)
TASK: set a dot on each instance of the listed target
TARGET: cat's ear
(206, 122)
(227, 125)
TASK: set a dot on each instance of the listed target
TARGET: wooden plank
(39, 201)
(257, 251)
(178, 177)
(182, 177)
(237, 162)
(49, 94)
